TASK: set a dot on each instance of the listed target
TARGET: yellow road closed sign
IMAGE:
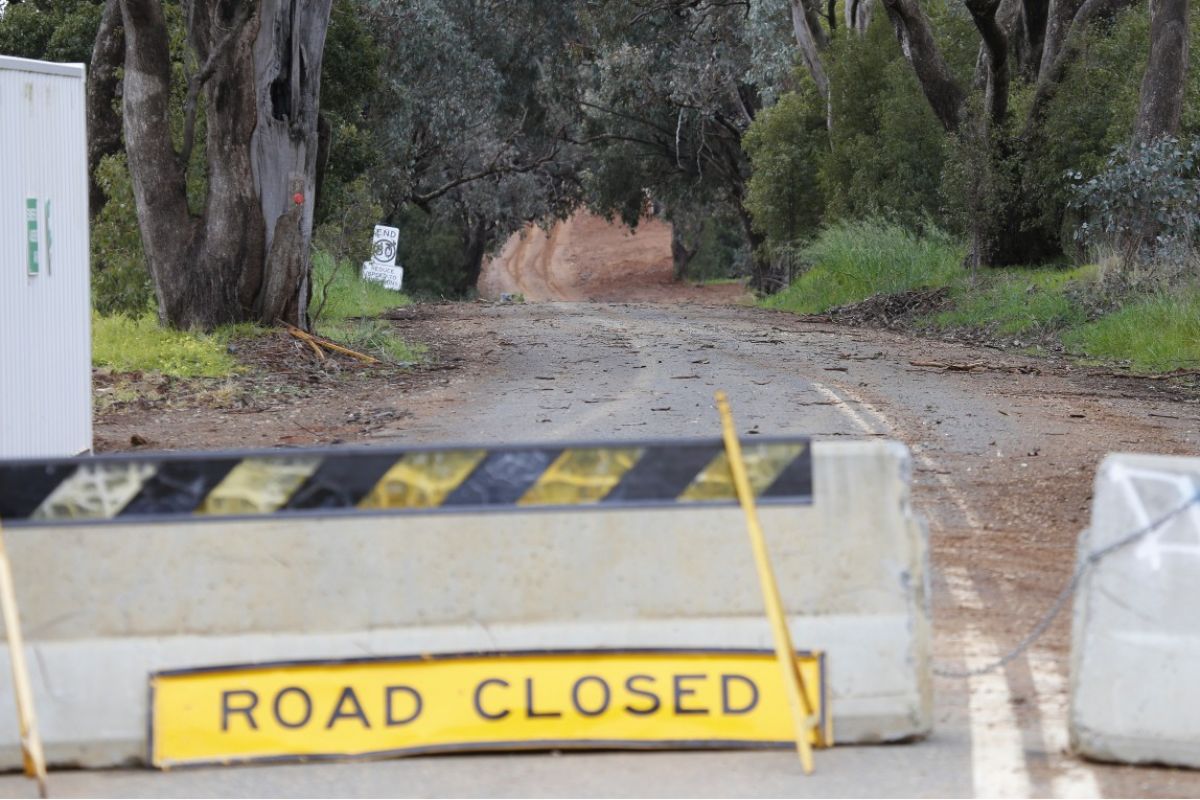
(520, 701)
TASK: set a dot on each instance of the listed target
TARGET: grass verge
(343, 305)
(339, 292)
(124, 344)
(1158, 333)
(1019, 302)
(852, 262)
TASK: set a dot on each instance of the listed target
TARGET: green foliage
(1019, 301)
(786, 144)
(852, 261)
(340, 293)
(51, 30)
(432, 252)
(347, 231)
(344, 307)
(1091, 112)
(120, 281)
(349, 79)
(886, 148)
(980, 181)
(721, 252)
(1158, 333)
(1145, 206)
(127, 344)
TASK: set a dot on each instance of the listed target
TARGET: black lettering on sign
(651, 696)
(228, 709)
(606, 693)
(681, 692)
(726, 705)
(418, 704)
(479, 699)
(277, 707)
(530, 713)
(356, 712)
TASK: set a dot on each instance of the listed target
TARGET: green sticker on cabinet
(32, 265)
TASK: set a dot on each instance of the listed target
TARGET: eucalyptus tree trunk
(103, 121)
(1165, 80)
(244, 255)
(811, 40)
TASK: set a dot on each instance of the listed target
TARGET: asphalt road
(1004, 454)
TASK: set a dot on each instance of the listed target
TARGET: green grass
(348, 295)
(1014, 302)
(349, 304)
(373, 336)
(1159, 333)
(853, 261)
(124, 344)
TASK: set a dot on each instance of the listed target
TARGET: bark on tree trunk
(283, 156)
(1058, 25)
(995, 50)
(259, 68)
(681, 254)
(917, 43)
(477, 237)
(811, 40)
(103, 121)
(857, 15)
(1060, 48)
(1163, 84)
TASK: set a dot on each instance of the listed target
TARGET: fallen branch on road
(950, 367)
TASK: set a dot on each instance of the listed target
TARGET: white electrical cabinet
(45, 307)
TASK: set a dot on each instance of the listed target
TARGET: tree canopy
(461, 121)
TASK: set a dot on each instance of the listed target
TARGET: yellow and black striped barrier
(141, 487)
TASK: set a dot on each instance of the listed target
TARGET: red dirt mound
(587, 258)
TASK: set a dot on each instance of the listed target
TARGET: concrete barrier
(1135, 654)
(105, 604)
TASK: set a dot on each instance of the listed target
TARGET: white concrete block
(106, 605)
(1135, 660)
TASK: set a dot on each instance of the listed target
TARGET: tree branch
(810, 41)
(1051, 76)
(915, 35)
(103, 121)
(191, 102)
(995, 44)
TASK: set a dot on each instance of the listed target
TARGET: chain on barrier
(1067, 592)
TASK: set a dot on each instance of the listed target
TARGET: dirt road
(1005, 453)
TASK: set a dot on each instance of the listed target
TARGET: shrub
(885, 150)
(785, 144)
(1145, 206)
(853, 261)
